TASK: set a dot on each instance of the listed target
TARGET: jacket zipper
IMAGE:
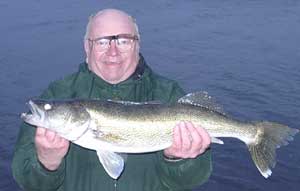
(115, 185)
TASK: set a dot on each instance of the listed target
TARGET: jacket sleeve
(183, 174)
(27, 170)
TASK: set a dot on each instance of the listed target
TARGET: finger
(199, 145)
(204, 134)
(65, 141)
(57, 140)
(40, 131)
(177, 141)
(206, 140)
(61, 141)
(50, 135)
(185, 136)
(196, 136)
(173, 150)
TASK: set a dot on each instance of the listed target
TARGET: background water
(244, 53)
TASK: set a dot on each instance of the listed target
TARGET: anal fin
(112, 163)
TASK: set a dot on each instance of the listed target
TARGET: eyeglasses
(123, 42)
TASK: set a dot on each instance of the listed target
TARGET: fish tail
(269, 137)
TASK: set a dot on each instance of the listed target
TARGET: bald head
(112, 65)
(110, 22)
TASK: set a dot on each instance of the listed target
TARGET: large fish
(112, 127)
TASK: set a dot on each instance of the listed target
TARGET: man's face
(112, 65)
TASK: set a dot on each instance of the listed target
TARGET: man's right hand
(50, 147)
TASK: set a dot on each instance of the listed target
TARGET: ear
(87, 50)
(87, 47)
(137, 49)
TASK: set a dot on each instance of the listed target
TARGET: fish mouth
(37, 115)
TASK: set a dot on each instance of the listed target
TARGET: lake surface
(246, 54)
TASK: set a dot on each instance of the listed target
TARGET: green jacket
(81, 169)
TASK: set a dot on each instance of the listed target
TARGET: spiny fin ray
(201, 99)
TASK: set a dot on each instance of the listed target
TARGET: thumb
(40, 131)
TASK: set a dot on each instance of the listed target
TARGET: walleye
(112, 127)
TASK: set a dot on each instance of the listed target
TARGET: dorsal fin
(201, 99)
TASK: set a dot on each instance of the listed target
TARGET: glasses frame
(114, 37)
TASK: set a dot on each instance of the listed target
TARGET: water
(244, 53)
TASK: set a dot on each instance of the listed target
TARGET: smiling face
(111, 65)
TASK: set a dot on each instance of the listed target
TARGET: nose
(112, 50)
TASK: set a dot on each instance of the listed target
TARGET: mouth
(111, 63)
(36, 116)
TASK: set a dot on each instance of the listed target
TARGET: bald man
(114, 69)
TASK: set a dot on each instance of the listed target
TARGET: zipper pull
(115, 184)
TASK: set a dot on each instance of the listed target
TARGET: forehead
(111, 23)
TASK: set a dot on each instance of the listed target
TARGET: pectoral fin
(112, 163)
(216, 140)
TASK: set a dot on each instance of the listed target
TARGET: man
(114, 69)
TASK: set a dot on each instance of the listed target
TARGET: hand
(189, 141)
(51, 148)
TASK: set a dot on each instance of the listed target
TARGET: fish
(116, 128)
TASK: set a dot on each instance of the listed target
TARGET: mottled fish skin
(151, 124)
(129, 127)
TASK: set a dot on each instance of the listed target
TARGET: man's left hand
(189, 141)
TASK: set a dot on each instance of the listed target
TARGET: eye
(124, 41)
(47, 106)
(103, 42)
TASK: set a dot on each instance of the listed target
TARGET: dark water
(244, 53)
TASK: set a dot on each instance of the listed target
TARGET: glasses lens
(102, 44)
(124, 44)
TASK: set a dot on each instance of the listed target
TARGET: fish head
(68, 119)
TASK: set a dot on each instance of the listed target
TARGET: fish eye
(47, 106)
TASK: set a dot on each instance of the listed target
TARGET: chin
(112, 79)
